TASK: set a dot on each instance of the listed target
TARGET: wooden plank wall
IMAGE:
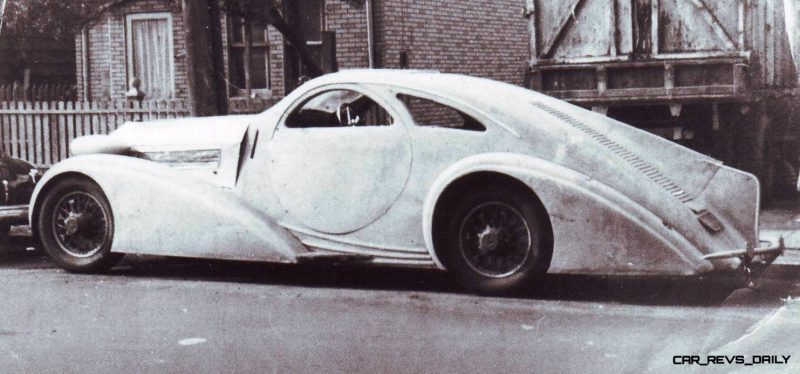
(763, 31)
(772, 64)
(40, 132)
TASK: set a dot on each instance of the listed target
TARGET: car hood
(207, 147)
(191, 133)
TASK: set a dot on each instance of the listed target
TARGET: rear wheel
(496, 241)
(76, 226)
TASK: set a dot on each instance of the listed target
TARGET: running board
(326, 258)
(14, 214)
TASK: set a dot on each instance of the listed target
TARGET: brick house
(144, 39)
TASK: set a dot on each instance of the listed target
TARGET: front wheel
(496, 241)
(76, 226)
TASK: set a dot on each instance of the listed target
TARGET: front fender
(160, 211)
(596, 229)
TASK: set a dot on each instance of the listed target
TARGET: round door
(339, 161)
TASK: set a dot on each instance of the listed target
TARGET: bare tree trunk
(215, 13)
(204, 93)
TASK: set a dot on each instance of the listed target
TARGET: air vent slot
(626, 155)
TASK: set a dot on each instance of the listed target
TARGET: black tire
(495, 240)
(76, 226)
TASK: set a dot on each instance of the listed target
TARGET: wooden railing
(40, 132)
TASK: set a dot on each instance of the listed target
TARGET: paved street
(170, 315)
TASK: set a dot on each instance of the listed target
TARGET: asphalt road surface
(170, 315)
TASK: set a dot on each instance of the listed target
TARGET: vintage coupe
(494, 183)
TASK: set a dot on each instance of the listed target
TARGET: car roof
(459, 86)
(502, 98)
(370, 75)
(507, 104)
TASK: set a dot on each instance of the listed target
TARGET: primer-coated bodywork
(619, 200)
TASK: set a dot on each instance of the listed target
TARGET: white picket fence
(40, 132)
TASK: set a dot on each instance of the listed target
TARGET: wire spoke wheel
(80, 224)
(494, 239)
(76, 226)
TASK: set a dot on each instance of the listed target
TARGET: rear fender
(160, 211)
(596, 229)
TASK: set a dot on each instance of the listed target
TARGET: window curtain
(152, 57)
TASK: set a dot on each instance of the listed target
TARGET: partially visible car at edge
(17, 180)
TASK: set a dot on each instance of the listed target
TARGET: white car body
(620, 201)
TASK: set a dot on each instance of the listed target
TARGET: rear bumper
(754, 261)
(766, 251)
(14, 214)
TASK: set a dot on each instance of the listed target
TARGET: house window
(150, 53)
(309, 18)
(249, 58)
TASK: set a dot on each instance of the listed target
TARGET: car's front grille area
(626, 155)
(202, 158)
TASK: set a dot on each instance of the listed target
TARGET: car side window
(430, 113)
(339, 108)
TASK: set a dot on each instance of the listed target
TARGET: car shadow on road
(705, 291)
(20, 253)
